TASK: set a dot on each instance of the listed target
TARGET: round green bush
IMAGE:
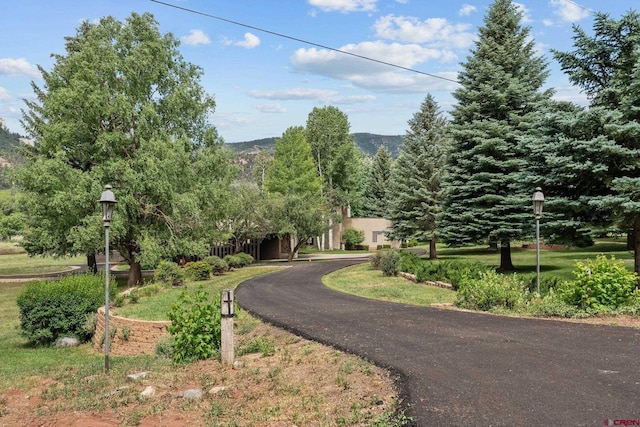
(169, 273)
(218, 265)
(197, 270)
(390, 263)
(246, 258)
(352, 237)
(238, 260)
(53, 309)
(599, 284)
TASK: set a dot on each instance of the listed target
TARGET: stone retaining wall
(412, 277)
(142, 338)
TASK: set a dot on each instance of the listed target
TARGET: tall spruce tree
(501, 91)
(607, 67)
(375, 197)
(415, 192)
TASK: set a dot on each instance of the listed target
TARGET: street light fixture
(108, 201)
(538, 202)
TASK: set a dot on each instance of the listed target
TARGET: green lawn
(362, 280)
(22, 364)
(558, 263)
(21, 263)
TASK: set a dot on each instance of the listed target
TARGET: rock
(192, 394)
(148, 392)
(135, 377)
(67, 342)
(237, 364)
(217, 390)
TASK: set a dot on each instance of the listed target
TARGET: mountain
(9, 144)
(368, 143)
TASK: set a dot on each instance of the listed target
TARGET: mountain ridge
(368, 143)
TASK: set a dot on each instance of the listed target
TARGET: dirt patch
(298, 383)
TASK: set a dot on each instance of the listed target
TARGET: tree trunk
(330, 234)
(432, 248)
(92, 264)
(506, 265)
(135, 274)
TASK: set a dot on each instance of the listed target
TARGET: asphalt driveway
(462, 368)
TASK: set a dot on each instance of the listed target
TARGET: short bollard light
(108, 202)
(226, 329)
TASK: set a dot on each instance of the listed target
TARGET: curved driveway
(461, 368)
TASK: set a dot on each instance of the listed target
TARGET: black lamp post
(108, 201)
(538, 202)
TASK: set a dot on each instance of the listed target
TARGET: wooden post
(226, 339)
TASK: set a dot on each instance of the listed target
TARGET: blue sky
(264, 83)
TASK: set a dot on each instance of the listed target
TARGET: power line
(304, 41)
(579, 5)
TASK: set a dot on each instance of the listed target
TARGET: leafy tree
(499, 95)
(375, 199)
(335, 154)
(245, 215)
(297, 208)
(121, 106)
(415, 184)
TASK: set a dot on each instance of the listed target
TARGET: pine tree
(501, 91)
(607, 67)
(415, 192)
(376, 202)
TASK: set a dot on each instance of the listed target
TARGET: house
(374, 230)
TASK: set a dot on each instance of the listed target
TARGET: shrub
(235, 261)
(550, 305)
(600, 284)
(492, 290)
(53, 309)
(352, 237)
(169, 273)
(374, 260)
(195, 326)
(456, 270)
(198, 270)
(409, 262)
(390, 263)
(246, 258)
(218, 265)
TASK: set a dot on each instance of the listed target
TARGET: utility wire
(304, 41)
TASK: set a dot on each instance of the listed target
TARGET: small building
(374, 230)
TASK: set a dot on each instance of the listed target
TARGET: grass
(559, 263)
(362, 280)
(155, 307)
(21, 263)
(281, 382)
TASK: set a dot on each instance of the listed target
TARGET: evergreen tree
(415, 192)
(375, 197)
(501, 91)
(607, 67)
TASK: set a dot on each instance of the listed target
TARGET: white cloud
(526, 17)
(344, 6)
(568, 11)
(436, 31)
(195, 38)
(249, 42)
(305, 94)
(18, 67)
(292, 94)
(4, 94)
(271, 108)
(467, 9)
(547, 22)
